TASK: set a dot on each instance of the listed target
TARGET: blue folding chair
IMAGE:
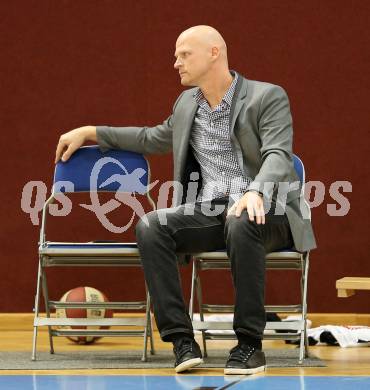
(90, 170)
(281, 260)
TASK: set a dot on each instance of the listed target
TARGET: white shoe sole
(243, 371)
(188, 364)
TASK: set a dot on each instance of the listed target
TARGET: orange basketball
(84, 294)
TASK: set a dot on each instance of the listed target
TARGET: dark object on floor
(272, 317)
(311, 341)
(328, 338)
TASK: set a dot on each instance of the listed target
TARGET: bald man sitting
(235, 136)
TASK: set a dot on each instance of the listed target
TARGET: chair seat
(284, 259)
(222, 255)
(88, 249)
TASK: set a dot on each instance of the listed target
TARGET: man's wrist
(90, 133)
(256, 192)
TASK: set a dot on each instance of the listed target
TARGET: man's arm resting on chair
(146, 140)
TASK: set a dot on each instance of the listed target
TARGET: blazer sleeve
(145, 140)
(276, 134)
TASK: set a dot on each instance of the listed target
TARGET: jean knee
(146, 224)
(240, 227)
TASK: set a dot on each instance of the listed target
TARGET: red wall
(65, 64)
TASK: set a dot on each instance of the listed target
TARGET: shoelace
(241, 353)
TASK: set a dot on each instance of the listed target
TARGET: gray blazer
(261, 136)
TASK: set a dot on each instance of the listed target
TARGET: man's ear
(215, 52)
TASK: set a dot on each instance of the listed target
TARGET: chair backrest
(91, 170)
(299, 168)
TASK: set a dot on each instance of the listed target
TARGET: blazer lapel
(237, 103)
(185, 125)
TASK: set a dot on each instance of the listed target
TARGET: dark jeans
(247, 244)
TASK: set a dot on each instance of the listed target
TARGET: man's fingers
(258, 216)
(263, 218)
(239, 208)
(254, 208)
(70, 141)
(260, 213)
(59, 151)
(250, 212)
(257, 211)
(67, 154)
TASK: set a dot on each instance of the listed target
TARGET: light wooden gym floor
(16, 335)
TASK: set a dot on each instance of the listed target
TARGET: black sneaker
(187, 353)
(245, 359)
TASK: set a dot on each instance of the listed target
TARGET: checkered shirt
(210, 140)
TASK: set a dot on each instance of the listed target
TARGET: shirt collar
(228, 97)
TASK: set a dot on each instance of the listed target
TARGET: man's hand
(253, 203)
(71, 141)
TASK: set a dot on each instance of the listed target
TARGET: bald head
(206, 36)
(200, 53)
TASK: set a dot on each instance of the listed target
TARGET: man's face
(193, 61)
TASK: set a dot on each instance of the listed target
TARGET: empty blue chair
(90, 170)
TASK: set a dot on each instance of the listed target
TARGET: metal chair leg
(200, 305)
(152, 349)
(306, 344)
(47, 308)
(303, 347)
(34, 342)
(147, 328)
(145, 346)
(191, 303)
(305, 302)
(150, 323)
(36, 309)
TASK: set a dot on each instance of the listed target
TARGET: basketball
(84, 294)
